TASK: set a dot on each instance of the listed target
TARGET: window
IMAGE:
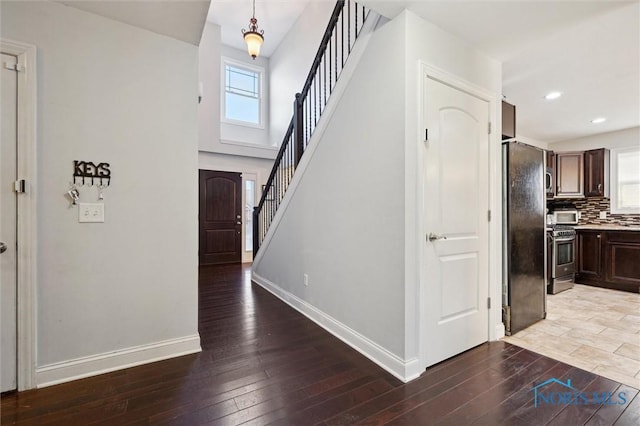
(625, 180)
(242, 100)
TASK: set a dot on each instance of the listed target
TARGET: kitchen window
(242, 100)
(625, 180)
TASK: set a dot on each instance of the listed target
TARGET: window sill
(249, 145)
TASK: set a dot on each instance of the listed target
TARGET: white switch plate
(90, 212)
(603, 215)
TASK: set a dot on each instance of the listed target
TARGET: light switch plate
(603, 215)
(90, 212)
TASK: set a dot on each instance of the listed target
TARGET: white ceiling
(589, 50)
(276, 17)
(179, 19)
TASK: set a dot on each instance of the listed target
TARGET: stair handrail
(295, 131)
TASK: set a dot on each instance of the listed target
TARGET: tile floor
(592, 328)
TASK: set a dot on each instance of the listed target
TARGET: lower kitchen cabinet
(608, 259)
(622, 258)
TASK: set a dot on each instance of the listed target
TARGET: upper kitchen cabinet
(596, 173)
(508, 120)
(569, 175)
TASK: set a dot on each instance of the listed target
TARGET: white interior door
(456, 203)
(8, 212)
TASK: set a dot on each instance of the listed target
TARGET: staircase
(339, 38)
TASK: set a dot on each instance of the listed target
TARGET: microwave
(548, 183)
(565, 217)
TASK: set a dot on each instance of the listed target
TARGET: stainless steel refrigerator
(524, 244)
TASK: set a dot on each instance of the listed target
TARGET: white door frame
(495, 328)
(27, 265)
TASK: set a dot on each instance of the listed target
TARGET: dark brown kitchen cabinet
(596, 173)
(570, 175)
(622, 258)
(508, 120)
(607, 258)
(589, 255)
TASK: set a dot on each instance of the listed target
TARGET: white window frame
(223, 107)
(614, 182)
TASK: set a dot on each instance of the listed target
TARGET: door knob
(434, 237)
(3, 247)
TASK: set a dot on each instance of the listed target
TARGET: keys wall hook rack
(99, 173)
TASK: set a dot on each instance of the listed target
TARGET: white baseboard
(404, 370)
(79, 368)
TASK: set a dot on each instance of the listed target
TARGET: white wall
(215, 136)
(620, 139)
(344, 225)
(209, 77)
(291, 62)
(109, 92)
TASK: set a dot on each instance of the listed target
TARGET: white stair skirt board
(80, 368)
(404, 370)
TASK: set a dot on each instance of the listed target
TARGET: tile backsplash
(590, 209)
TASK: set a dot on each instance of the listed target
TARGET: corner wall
(619, 139)
(291, 62)
(215, 136)
(343, 227)
(353, 224)
(122, 292)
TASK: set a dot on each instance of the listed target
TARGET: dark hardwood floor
(264, 363)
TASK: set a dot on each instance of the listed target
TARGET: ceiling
(180, 19)
(588, 50)
(276, 17)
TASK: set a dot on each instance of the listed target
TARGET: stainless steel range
(561, 250)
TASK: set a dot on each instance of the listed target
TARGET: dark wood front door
(220, 217)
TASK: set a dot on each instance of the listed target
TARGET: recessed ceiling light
(552, 95)
(598, 120)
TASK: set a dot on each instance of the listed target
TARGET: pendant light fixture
(253, 37)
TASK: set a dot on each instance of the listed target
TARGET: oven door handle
(563, 239)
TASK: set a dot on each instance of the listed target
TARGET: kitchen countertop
(612, 227)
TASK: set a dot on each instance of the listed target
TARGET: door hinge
(488, 303)
(13, 67)
(489, 215)
(489, 130)
(20, 186)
